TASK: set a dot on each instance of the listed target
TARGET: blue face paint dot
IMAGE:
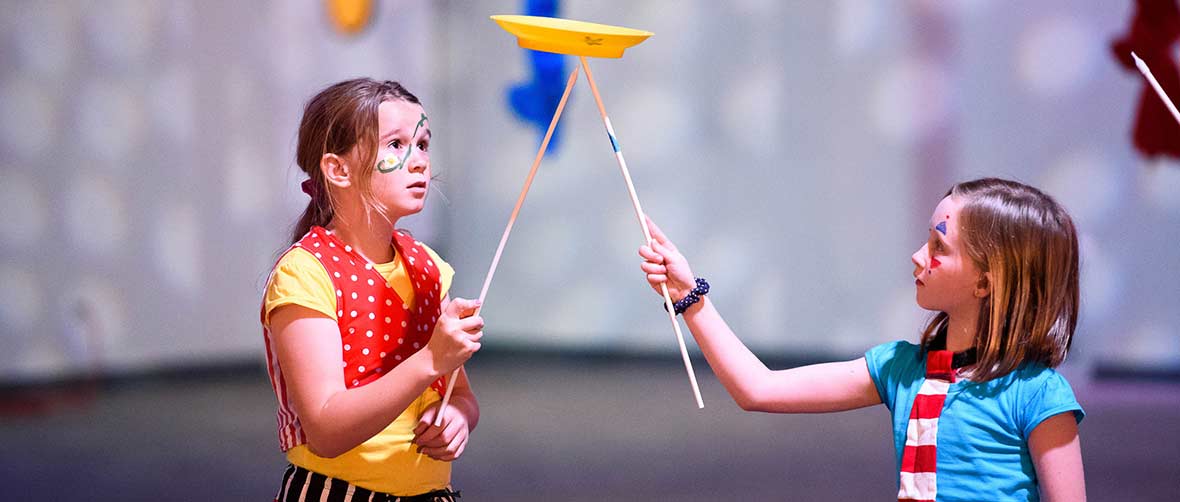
(941, 227)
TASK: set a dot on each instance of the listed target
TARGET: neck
(369, 237)
(960, 331)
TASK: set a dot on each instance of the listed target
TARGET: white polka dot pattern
(372, 306)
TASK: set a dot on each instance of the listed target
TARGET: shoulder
(1038, 375)
(1042, 392)
(892, 367)
(899, 351)
(299, 278)
(298, 264)
(297, 258)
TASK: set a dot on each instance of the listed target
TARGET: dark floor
(552, 429)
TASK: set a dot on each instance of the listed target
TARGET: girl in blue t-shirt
(978, 412)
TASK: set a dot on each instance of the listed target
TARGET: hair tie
(309, 188)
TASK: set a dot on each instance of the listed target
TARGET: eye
(424, 146)
(395, 144)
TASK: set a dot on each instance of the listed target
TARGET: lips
(919, 282)
(417, 184)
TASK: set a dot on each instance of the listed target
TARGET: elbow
(324, 451)
(751, 404)
(747, 404)
(322, 446)
(752, 393)
(750, 400)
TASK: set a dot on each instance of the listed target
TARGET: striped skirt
(300, 485)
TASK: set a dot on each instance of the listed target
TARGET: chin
(409, 210)
(411, 205)
(924, 305)
(396, 212)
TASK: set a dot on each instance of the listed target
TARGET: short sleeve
(445, 273)
(886, 363)
(299, 279)
(1050, 396)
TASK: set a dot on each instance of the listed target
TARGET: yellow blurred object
(350, 16)
(566, 36)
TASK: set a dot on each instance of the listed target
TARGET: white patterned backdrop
(792, 149)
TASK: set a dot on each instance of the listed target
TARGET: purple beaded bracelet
(692, 297)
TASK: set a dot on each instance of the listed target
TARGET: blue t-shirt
(984, 427)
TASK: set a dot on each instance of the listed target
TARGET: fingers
(450, 431)
(431, 436)
(424, 421)
(657, 272)
(444, 443)
(653, 268)
(423, 426)
(658, 253)
(449, 452)
(663, 249)
(472, 325)
(426, 433)
(461, 307)
(656, 233)
(449, 444)
(649, 254)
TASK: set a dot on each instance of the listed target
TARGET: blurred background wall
(793, 150)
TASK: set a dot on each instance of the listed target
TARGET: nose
(919, 259)
(419, 161)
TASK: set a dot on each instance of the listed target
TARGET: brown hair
(1029, 245)
(337, 120)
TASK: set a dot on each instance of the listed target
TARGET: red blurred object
(1154, 29)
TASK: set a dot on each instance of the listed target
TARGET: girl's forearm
(740, 371)
(351, 417)
(815, 388)
(464, 400)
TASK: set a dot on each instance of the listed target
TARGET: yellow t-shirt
(386, 462)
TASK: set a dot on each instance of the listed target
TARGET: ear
(336, 170)
(984, 286)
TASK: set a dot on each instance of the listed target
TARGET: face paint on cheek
(391, 163)
(941, 227)
(934, 263)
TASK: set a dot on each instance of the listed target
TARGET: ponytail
(319, 209)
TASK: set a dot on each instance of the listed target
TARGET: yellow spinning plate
(565, 36)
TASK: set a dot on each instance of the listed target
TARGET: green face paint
(391, 163)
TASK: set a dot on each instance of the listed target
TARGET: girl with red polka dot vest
(978, 412)
(360, 332)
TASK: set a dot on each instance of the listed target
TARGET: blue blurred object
(534, 101)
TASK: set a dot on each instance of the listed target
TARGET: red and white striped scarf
(919, 459)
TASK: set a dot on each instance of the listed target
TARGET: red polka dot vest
(378, 329)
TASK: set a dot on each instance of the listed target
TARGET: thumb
(424, 421)
(462, 307)
(657, 235)
(664, 251)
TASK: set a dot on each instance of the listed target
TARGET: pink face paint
(934, 263)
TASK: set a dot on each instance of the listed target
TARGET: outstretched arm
(808, 389)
